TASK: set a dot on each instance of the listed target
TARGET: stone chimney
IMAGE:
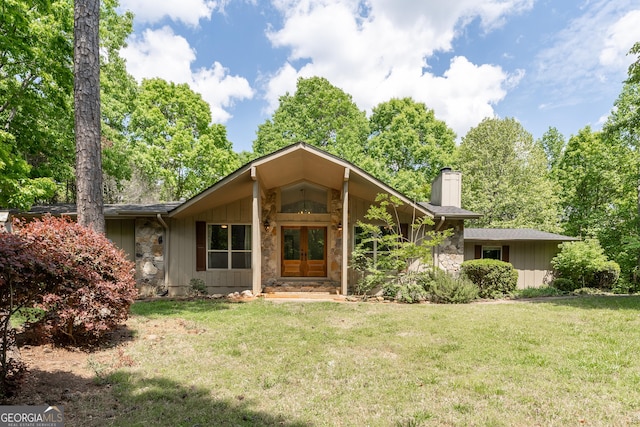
(446, 189)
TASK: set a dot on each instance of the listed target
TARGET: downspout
(166, 250)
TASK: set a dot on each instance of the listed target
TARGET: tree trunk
(86, 72)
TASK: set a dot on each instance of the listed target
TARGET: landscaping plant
(391, 267)
(585, 264)
(94, 282)
(494, 278)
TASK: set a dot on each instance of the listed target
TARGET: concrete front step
(330, 288)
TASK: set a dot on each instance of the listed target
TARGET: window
(373, 247)
(303, 198)
(228, 246)
(492, 252)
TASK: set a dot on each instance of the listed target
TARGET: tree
(180, 154)
(409, 144)
(118, 91)
(589, 183)
(36, 81)
(36, 99)
(634, 68)
(622, 130)
(506, 177)
(552, 143)
(388, 259)
(86, 71)
(319, 114)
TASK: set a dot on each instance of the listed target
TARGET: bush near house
(94, 282)
(494, 278)
(446, 289)
(583, 264)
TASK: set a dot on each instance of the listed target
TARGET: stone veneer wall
(450, 254)
(269, 238)
(334, 251)
(149, 256)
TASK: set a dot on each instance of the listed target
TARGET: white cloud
(619, 38)
(590, 51)
(380, 49)
(161, 53)
(189, 12)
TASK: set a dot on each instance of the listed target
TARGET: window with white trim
(228, 246)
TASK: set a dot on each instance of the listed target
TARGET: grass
(570, 361)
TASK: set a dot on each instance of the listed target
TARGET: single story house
(287, 221)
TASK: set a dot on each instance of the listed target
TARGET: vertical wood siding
(182, 258)
(531, 259)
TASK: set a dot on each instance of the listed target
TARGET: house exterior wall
(532, 259)
(449, 255)
(182, 252)
(122, 233)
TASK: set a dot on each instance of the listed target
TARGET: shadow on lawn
(173, 307)
(124, 399)
(600, 302)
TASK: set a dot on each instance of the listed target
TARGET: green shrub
(565, 285)
(411, 293)
(198, 287)
(543, 291)
(447, 289)
(607, 275)
(494, 278)
(586, 265)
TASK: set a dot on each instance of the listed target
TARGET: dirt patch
(57, 375)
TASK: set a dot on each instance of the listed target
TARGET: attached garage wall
(531, 259)
(182, 258)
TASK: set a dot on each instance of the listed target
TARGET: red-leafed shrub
(96, 282)
(28, 269)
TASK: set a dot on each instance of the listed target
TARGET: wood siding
(122, 233)
(182, 258)
(531, 259)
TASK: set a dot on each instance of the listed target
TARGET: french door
(304, 251)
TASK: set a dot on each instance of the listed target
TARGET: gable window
(303, 197)
(228, 246)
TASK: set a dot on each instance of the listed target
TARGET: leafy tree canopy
(36, 97)
(409, 144)
(319, 114)
(506, 178)
(179, 153)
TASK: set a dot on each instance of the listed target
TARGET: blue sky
(546, 63)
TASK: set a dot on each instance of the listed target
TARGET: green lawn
(572, 361)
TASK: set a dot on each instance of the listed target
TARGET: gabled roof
(286, 166)
(513, 234)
